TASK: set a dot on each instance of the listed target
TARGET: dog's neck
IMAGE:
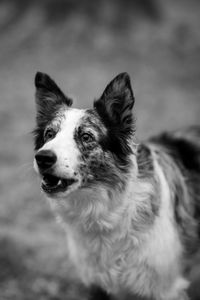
(101, 211)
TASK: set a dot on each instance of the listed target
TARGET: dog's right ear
(49, 99)
(47, 91)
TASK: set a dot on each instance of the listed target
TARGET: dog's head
(81, 148)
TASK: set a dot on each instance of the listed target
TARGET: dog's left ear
(47, 91)
(116, 103)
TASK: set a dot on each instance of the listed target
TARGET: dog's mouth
(53, 184)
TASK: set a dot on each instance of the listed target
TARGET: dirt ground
(82, 46)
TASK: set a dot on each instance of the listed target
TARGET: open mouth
(54, 184)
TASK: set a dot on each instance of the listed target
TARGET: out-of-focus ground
(83, 45)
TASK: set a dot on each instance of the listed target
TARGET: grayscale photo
(100, 150)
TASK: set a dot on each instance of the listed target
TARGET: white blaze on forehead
(66, 142)
(71, 120)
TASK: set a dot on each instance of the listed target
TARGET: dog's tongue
(51, 180)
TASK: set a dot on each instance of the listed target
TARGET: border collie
(130, 210)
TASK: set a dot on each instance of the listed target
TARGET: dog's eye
(87, 138)
(49, 134)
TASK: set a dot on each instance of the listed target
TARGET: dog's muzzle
(51, 182)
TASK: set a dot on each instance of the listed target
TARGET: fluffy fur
(130, 211)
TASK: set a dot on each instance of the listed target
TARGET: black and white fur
(130, 211)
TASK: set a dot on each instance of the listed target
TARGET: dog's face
(77, 148)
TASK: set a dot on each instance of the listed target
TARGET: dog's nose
(45, 159)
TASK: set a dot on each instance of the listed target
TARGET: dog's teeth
(59, 182)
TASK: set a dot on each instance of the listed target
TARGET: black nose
(45, 159)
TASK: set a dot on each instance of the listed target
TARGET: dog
(130, 210)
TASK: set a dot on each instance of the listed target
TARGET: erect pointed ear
(47, 91)
(116, 103)
(49, 99)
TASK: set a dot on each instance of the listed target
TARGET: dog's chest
(96, 261)
(110, 266)
(125, 265)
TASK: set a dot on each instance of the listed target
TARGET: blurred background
(82, 45)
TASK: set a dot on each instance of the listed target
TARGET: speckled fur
(131, 222)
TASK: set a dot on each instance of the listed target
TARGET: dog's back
(183, 146)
